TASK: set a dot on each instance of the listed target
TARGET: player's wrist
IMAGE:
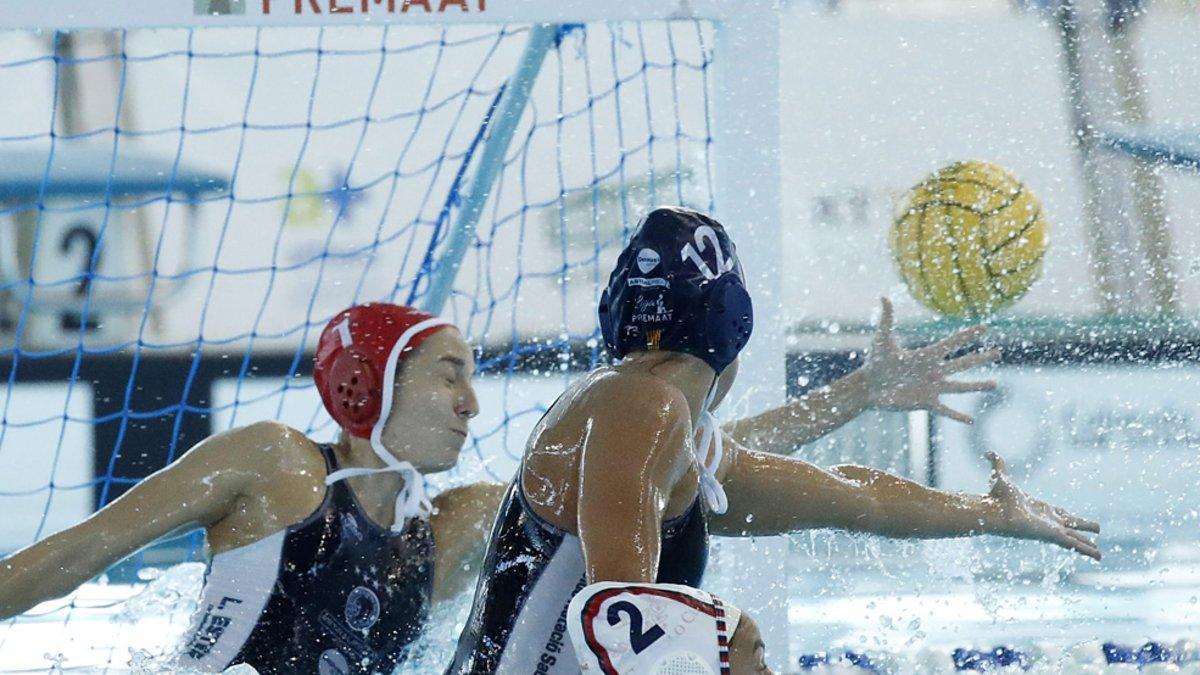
(989, 517)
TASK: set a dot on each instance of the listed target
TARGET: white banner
(70, 14)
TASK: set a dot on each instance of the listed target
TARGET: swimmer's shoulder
(280, 474)
(637, 389)
(268, 448)
(636, 399)
(628, 411)
(639, 431)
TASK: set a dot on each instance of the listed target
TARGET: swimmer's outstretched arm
(200, 488)
(769, 494)
(892, 378)
(462, 522)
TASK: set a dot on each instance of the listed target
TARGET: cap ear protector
(729, 320)
(355, 385)
(356, 360)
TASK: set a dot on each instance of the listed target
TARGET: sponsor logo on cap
(651, 310)
(648, 283)
(647, 259)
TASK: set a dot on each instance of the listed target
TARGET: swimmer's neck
(375, 492)
(687, 373)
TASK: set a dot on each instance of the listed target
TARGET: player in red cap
(324, 558)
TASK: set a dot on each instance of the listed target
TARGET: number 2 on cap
(689, 252)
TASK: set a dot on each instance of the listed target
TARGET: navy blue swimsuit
(531, 572)
(335, 593)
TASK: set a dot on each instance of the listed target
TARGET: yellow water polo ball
(969, 240)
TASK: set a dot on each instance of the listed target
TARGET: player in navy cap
(600, 545)
(664, 294)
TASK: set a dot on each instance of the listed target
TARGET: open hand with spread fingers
(915, 379)
(1016, 514)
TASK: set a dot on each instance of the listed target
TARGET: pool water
(906, 605)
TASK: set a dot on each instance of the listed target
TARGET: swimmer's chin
(443, 461)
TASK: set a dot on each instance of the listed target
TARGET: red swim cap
(355, 365)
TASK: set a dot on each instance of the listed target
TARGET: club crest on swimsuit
(635, 629)
(362, 608)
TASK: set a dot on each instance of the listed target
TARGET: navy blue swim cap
(678, 286)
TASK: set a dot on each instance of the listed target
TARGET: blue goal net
(182, 210)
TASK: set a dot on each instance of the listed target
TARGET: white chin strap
(710, 487)
(412, 501)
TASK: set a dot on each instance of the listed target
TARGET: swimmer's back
(550, 472)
